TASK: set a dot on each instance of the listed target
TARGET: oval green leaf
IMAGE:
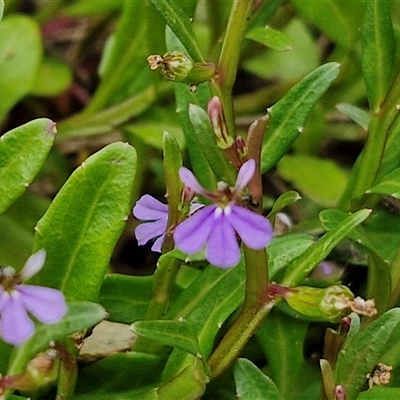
(270, 37)
(388, 185)
(252, 384)
(84, 221)
(288, 115)
(23, 152)
(20, 56)
(360, 354)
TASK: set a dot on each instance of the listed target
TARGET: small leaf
(81, 315)
(180, 24)
(54, 77)
(23, 152)
(270, 37)
(252, 384)
(378, 50)
(284, 200)
(360, 354)
(84, 221)
(289, 114)
(177, 334)
(217, 160)
(20, 56)
(388, 185)
(327, 379)
(283, 249)
(357, 114)
(323, 181)
(301, 266)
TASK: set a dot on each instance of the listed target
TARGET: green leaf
(23, 152)
(54, 77)
(388, 185)
(126, 60)
(179, 334)
(81, 315)
(380, 393)
(281, 339)
(180, 24)
(339, 20)
(357, 114)
(301, 266)
(283, 249)
(284, 200)
(126, 298)
(270, 37)
(107, 120)
(1, 9)
(20, 57)
(129, 375)
(289, 114)
(327, 378)
(323, 181)
(84, 221)
(378, 50)
(252, 384)
(205, 136)
(360, 354)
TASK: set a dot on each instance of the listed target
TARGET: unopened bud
(218, 123)
(324, 304)
(339, 393)
(178, 67)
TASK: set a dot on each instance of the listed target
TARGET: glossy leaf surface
(23, 152)
(84, 221)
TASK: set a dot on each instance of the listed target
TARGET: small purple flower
(149, 209)
(47, 305)
(215, 226)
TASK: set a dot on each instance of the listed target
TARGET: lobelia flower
(149, 209)
(47, 305)
(216, 225)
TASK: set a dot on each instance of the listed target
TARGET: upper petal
(246, 172)
(33, 265)
(148, 208)
(191, 235)
(254, 229)
(149, 230)
(46, 304)
(15, 326)
(222, 246)
(190, 181)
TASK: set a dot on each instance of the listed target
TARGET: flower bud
(339, 393)
(178, 67)
(324, 304)
(217, 118)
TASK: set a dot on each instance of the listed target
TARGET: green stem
(253, 312)
(395, 272)
(370, 160)
(229, 58)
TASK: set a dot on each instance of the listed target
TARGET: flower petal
(45, 304)
(33, 265)
(148, 208)
(222, 246)
(158, 244)
(254, 229)
(191, 182)
(246, 172)
(191, 235)
(150, 230)
(15, 325)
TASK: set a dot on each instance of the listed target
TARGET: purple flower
(47, 305)
(149, 209)
(216, 226)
